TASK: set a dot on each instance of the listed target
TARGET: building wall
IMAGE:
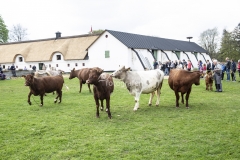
(118, 53)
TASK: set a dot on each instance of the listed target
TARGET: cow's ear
(127, 69)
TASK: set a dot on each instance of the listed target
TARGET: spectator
(223, 70)
(233, 70)
(238, 67)
(184, 64)
(163, 67)
(204, 69)
(167, 67)
(0, 68)
(228, 66)
(217, 75)
(2, 76)
(209, 66)
(155, 64)
(13, 70)
(189, 65)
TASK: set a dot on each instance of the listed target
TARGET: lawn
(209, 129)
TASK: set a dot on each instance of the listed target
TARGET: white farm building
(107, 51)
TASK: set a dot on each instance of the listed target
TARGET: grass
(70, 130)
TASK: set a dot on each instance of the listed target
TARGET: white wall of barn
(118, 53)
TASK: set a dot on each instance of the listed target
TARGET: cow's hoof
(97, 116)
(41, 105)
(187, 107)
(149, 104)
(157, 105)
(177, 106)
(29, 103)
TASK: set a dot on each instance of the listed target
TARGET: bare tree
(209, 40)
(18, 33)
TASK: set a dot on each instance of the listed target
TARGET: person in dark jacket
(233, 70)
(12, 68)
(209, 66)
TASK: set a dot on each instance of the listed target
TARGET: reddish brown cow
(181, 81)
(102, 87)
(82, 75)
(42, 85)
(209, 81)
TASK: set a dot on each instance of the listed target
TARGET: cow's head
(120, 73)
(94, 75)
(72, 74)
(28, 79)
(210, 75)
(197, 77)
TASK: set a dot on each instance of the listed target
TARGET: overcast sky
(173, 19)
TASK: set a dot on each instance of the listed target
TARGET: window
(20, 59)
(68, 65)
(58, 57)
(49, 65)
(83, 64)
(177, 54)
(3, 66)
(56, 65)
(76, 64)
(107, 54)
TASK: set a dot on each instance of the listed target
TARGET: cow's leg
(108, 107)
(187, 96)
(102, 107)
(137, 97)
(182, 94)
(210, 84)
(89, 88)
(41, 98)
(177, 98)
(29, 95)
(97, 106)
(80, 81)
(158, 94)
(151, 97)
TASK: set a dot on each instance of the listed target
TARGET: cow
(82, 75)
(103, 86)
(209, 81)
(141, 82)
(42, 85)
(181, 81)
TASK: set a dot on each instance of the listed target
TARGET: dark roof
(137, 41)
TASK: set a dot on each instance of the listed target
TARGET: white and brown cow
(141, 82)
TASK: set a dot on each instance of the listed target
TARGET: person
(209, 66)
(167, 67)
(163, 67)
(172, 66)
(155, 64)
(217, 75)
(223, 70)
(204, 69)
(238, 67)
(2, 76)
(0, 68)
(25, 68)
(34, 68)
(199, 65)
(13, 70)
(189, 65)
(184, 63)
(233, 70)
(228, 66)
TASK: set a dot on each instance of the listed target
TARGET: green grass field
(209, 129)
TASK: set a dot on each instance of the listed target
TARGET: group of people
(168, 65)
(2, 75)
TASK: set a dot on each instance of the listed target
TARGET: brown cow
(42, 85)
(209, 81)
(181, 81)
(102, 88)
(82, 75)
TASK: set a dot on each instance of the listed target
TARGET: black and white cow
(141, 82)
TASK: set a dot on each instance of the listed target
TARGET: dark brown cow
(181, 81)
(82, 75)
(102, 88)
(42, 85)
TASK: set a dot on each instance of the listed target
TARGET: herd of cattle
(137, 82)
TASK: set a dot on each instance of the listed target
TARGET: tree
(209, 41)
(3, 31)
(18, 33)
(230, 44)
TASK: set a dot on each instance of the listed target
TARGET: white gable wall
(118, 52)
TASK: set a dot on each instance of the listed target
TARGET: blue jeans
(166, 71)
(228, 74)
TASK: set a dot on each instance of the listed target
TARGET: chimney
(58, 34)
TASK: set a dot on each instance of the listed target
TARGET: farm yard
(209, 129)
